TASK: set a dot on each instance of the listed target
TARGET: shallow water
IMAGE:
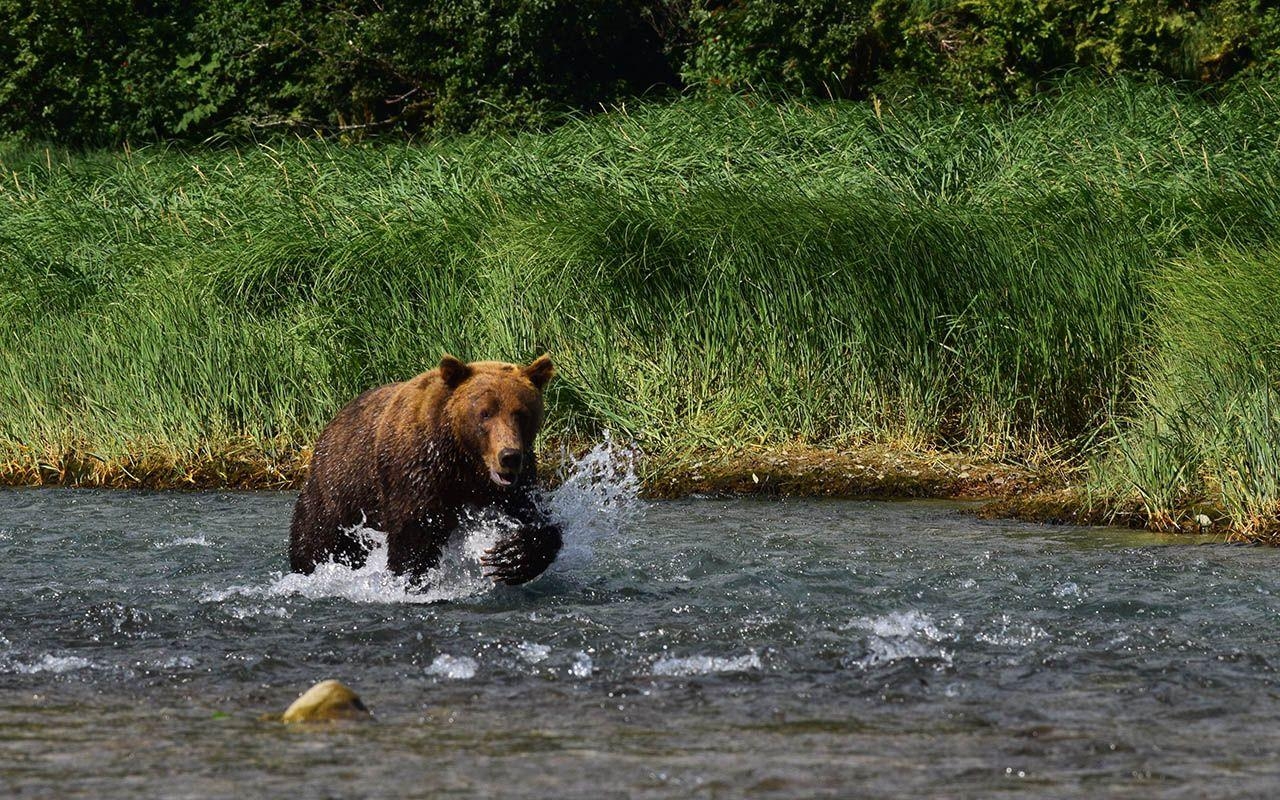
(698, 648)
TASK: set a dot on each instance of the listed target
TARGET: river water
(694, 648)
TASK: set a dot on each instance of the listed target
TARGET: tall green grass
(706, 274)
(1206, 428)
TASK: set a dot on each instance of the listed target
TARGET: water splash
(598, 495)
(457, 576)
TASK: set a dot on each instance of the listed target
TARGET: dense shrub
(95, 71)
(987, 48)
(974, 48)
(91, 71)
(65, 67)
(825, 47)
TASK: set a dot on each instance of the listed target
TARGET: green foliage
(63, 67)
(989, 48)
(971, 48)
(827, 48)
(981, 48)
(105, 70)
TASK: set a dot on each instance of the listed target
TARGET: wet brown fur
(412, 458)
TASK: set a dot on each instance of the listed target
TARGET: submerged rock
(327, 700)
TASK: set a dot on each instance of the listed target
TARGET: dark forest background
(95, 72)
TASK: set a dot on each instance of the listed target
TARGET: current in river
(695, 648)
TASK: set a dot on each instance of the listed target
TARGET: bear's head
(495, 411)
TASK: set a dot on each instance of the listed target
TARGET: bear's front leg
(524, 555)
(414, 547)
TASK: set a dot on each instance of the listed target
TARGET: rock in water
(327, 700)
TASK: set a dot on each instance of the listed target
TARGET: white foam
(49, 663)
(582, 665)
(455, 668)
(459, 573)
(902, 635)
(705, 665)
(532, 652)
(195, 541)
(898, 624)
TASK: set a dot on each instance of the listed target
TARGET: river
(694, 648)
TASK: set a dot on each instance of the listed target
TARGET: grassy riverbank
(1084, 281)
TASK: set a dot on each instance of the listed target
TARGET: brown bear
(412, 459)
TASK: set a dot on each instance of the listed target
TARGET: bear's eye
(486, 414)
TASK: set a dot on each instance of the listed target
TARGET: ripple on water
(1010, 632)
(719, 641)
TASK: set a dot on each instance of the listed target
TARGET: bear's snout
(510, 460)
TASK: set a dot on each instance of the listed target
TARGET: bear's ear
(540, 371)
(453, 371)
